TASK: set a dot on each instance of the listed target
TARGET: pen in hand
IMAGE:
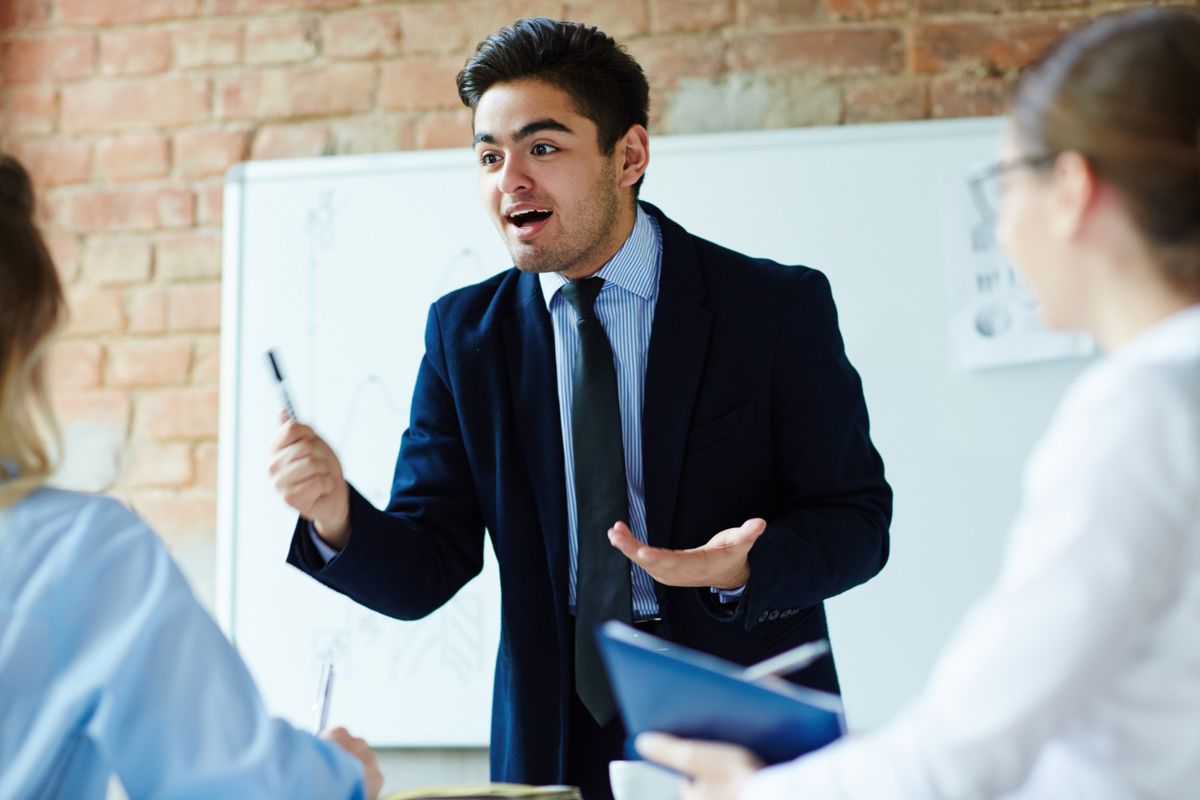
(277, 372)
(324, 690)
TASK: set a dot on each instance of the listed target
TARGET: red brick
(928, 7)
(188, 256)
(212, 201)
(177, 414)
(419, 84)
(194, 307)
(458, 26)
(106, 407)
(279, 40)
(958, 97)
(135, 52)
(444, 129)
(983, 47)
(208, 45)
(64, 249)
(128, 209)
(254, 6)
(135, 103)
(75, 364)
(488, 16)
(374, 134)
(667, 61)
(617, 18)
(95, 310)
(133, 157)
(147, 310)
(180, 517)
(773, 12)
(829, 51)
(685, 16)
(29, 110)
(160, 464)
(291, 141)
(362, 34)
(108, 261)
(109, 12)
(202, 153)
(24, 14)
(206, 455)
(54, 162)
(149, 362)
(206, 369)
(881, 101)
(436, 27)
(57, 57)
(868, 9)
(336, 89)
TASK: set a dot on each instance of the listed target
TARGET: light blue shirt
(625, 309)
(109, 665)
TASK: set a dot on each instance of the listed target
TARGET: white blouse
(1078, 674)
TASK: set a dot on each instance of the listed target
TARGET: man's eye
(544, 149)
(487, 159)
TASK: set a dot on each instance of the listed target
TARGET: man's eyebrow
(537, 126)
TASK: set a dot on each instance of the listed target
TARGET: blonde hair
(31, 309)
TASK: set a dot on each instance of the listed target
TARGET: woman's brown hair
(1124, 92)
(31, 309)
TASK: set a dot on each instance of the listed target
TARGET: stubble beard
(587, 244)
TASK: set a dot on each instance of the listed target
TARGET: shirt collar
(634, 268)
(1177, 336)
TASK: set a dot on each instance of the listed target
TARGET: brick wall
(128, 112)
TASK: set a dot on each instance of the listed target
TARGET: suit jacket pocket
(723, 427)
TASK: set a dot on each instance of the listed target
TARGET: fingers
(691, 757)
(290, 431)
(372, 777)
(620, 537)
(750, 531)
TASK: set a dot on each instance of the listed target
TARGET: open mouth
(529, 218)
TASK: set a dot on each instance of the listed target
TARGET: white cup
(641, 780)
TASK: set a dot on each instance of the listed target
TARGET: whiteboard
(336, 260)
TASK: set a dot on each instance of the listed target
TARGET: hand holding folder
(660, 686)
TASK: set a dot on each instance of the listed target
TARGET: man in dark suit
(652, 428)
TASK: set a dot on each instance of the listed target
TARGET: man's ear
(633, 152)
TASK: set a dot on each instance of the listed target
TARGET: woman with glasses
(107, 663)
(1078, 674)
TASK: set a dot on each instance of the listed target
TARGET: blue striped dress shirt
(625, 309)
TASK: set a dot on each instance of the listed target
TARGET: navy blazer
(751, 410)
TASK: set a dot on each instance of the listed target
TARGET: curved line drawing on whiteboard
(449, 644)
(464, 269)
(377, 489)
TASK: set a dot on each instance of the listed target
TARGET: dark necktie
(603, 588)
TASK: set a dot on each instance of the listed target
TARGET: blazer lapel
(532, 371)
(674, 367)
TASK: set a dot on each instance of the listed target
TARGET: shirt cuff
(728, 596)
(323, 549)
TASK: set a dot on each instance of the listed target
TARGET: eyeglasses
(987, 186)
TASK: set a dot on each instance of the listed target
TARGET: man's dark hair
(606, 85)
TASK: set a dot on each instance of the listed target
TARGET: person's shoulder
(724, 265)
(58, 522)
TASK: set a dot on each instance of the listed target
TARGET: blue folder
(661, 686)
